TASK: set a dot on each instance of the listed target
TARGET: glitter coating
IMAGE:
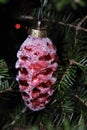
(36, 64)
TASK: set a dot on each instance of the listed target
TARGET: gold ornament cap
(39, 31)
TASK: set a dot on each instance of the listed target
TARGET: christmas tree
(67, 28)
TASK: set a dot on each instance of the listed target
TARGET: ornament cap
(39, 32)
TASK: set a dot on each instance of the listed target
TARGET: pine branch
(81, 100)
(4, 76)
(17, 117)
(76, 27)
(68, 78)
(82, 64)
(9, 88)
(3, 69)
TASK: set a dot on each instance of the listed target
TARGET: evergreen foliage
(68, 107)
(3, 76)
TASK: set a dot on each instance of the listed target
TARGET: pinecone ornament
(36, 64)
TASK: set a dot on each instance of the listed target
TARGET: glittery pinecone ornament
(36, 64)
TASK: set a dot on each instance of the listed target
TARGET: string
(40, 12)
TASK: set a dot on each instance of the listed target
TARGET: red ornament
(36, 64)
